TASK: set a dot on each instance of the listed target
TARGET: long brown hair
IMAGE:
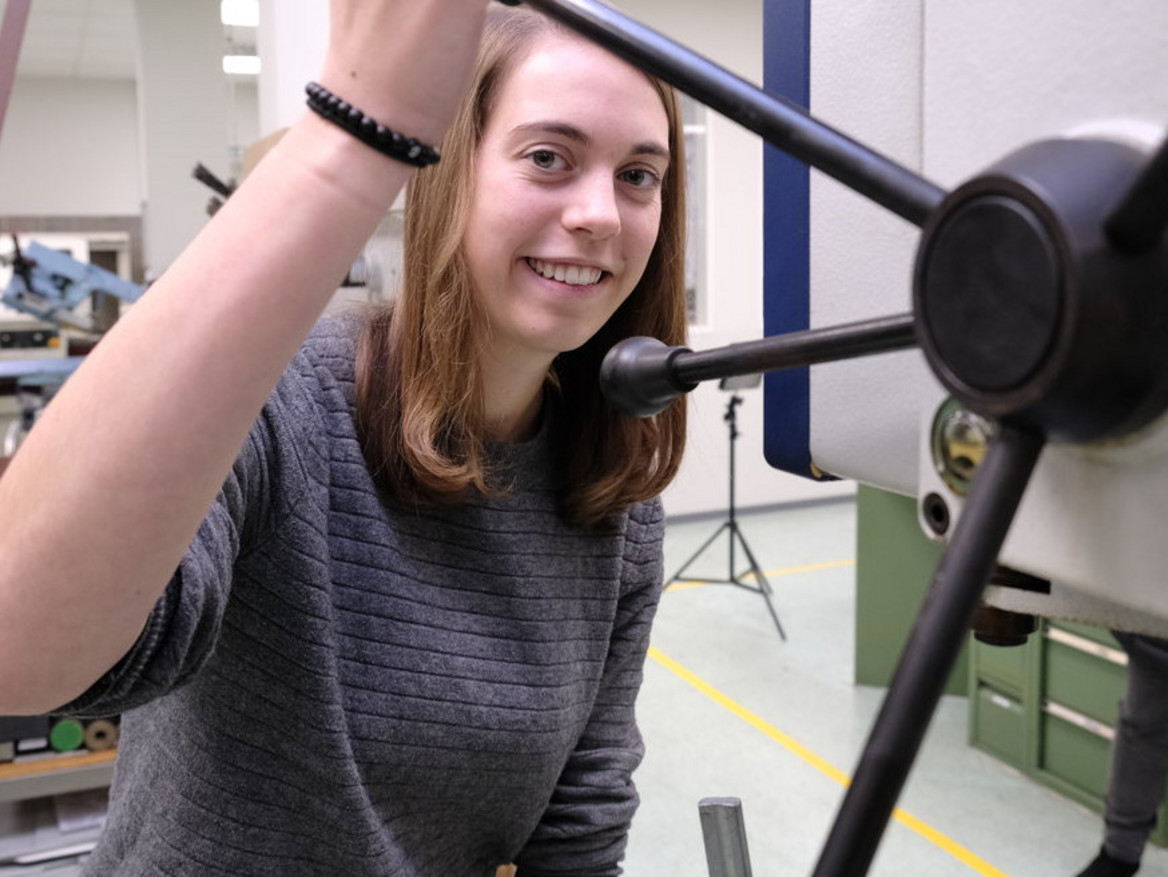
(419, 403)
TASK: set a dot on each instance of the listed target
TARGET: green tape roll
(66, 735)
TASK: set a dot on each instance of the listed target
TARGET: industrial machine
(50, 286)
(1038, 302)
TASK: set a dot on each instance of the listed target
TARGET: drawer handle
(1000, 700)
(1082, 644)
(1092, 726)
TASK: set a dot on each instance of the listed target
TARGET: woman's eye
(544, 158)
(641, 178)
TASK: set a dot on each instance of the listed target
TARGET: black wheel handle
(1081, 306)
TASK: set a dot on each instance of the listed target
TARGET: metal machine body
(50, 285)
(1036, 301)
(973, 83)
(57, 290)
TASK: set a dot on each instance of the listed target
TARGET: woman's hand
(403, 62)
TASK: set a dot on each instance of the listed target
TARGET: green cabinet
(1049, 708)
(999, 724)
(894, 567)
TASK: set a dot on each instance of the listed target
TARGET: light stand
(730, 525)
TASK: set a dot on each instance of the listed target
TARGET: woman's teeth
(573, 275)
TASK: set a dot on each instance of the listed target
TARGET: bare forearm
(103, 498)
(99, 504)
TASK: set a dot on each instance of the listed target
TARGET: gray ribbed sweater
(332, 687)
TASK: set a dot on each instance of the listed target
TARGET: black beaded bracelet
(370, 132)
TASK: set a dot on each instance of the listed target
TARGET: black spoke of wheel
(640, 376)
(796, 349)
(780, 122)
(931, 651)
(1141, 217)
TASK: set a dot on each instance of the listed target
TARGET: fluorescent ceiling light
(240, 13)
(242, 65)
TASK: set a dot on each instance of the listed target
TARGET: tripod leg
(764, 587)
(677, 575)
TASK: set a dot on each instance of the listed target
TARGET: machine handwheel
(1038, 301)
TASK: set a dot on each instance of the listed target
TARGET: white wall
(730, 34)
(292, 48)
(70, 148)
(244, 121)
(183, 119)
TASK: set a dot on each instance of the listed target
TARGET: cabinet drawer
(998, 725)
(1074, 748)
(1002, 666)
(1086, 631)
(1086, 676)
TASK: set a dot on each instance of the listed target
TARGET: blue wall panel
(786, 244)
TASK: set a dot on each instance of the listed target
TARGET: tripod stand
(730, 525)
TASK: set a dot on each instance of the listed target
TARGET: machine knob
(1028, 312)
(637, 376)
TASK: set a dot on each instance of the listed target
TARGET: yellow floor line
(786, 571)
(906, 819)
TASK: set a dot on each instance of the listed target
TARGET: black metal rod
(204, 175)
(641, 375)
(1141, 218)
(795, 349)
(780, 122)
(931, 651)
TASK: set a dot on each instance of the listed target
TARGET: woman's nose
(592, 206)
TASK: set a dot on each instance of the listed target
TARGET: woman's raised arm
(103, 497)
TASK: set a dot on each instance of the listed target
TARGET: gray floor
(769, 722)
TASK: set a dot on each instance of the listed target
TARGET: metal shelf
(56, 775)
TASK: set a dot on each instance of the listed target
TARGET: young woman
(396, 623)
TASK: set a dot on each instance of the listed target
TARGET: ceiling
(92, 39)
(80, 38)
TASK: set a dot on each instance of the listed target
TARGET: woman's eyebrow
(564, 129)
(578, 135)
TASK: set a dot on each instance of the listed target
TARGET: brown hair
(419, 406)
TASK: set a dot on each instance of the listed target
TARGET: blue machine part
(37, 368)
(787, 241)
(49, 285)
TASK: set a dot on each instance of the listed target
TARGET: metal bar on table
(724, 834)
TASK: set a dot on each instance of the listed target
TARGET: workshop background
(116, 101)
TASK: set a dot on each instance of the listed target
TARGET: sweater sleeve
(584, 830)
(180, 632)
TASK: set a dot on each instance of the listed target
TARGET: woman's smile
(571, 274)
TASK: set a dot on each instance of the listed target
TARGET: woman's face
(566, 200)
